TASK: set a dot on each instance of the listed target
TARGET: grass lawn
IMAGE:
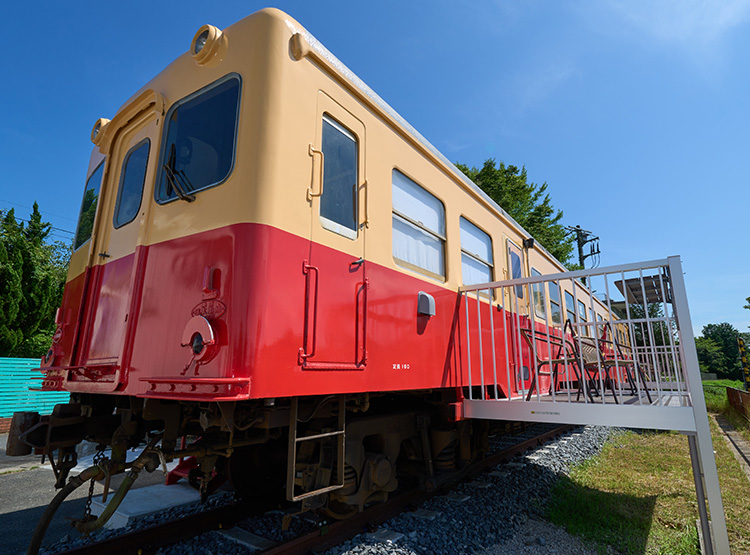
(638, 495)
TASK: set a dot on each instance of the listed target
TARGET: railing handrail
(651, 264)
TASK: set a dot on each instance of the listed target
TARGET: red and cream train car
(266, 251)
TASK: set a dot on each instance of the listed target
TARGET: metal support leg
(701, 441)
(700, 494)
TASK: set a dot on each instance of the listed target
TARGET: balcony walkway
(619, 351)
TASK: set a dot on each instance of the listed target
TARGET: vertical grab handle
(365, 290)
(366, 187)
(307, 269)
(310, 191)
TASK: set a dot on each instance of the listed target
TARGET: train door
(518, 302)
(335, 274)
(116, 262)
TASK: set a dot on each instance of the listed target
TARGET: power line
(43, 212)
(52, 228)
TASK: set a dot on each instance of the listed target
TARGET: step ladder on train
(307, 481)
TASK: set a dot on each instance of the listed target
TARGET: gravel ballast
(500, 511)
(505, 517)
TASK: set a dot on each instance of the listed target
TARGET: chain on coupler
(99, 459)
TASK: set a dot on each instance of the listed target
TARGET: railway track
(328, 534)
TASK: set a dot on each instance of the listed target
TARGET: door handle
(310, 192)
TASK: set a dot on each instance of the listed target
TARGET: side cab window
(88, 206)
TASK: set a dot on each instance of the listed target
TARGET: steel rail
(149, 540)
(338, 532)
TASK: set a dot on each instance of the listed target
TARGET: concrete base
(142, 502)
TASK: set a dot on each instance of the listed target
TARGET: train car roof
(357, 83)
(324, 53)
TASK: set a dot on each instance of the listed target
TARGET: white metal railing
(610, 346)
(619, 342)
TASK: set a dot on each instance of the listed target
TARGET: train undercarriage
(335, 454)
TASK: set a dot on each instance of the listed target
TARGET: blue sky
(635, 113)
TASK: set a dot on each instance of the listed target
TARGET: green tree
(656, 332)
(32, 277)
(724, 338)
(710, 356)
(528, 203)
(11, 277)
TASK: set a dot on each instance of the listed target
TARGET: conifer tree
(32, 277)
(11, 263)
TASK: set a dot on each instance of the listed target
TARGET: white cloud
(535, 85)
(697, 27)
(543, 82)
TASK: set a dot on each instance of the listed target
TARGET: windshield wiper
(177, 178)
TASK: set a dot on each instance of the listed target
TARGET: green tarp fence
(17, 377)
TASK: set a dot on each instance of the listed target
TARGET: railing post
(698, 401)
(468, 339)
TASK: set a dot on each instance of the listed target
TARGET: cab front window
(199, 141)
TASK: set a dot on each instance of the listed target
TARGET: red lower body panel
(249, 285)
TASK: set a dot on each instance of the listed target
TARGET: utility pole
(582, 238)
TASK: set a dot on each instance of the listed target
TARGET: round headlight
(200, 42)
(98, 130)
(208, 45)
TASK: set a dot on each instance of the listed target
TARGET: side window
(570, 308)
(622, 334)
(199, 140)
(88, 207)
(599, 327)
(540, 306)
(418, 228)
(582, 317)
(338, 204)
(132, 178)
(476, 254)
(516, 266)
(554, 303)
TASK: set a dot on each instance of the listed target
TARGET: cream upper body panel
(288, 83)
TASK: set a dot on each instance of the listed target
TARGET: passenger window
(516, 266)
(600, 328)
(570, 308)
(88, 207)
(132, 178)
(537, 289)
(582, 317)
(476, 254)
(554, 303)
(199, 141)
(338, 204)
(418, 228)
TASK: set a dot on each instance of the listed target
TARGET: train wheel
(340, 511)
